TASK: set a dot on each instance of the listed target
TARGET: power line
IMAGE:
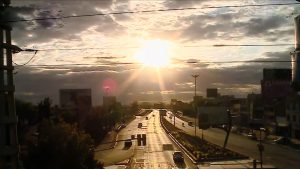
(148, 11)
(27, 61)
(185, 46)
(188, 62)
(242, 61)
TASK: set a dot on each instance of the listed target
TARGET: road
(280, 156)
(156, 154)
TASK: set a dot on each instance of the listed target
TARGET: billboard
(75, 98)
(212, 116)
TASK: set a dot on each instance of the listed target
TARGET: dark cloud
(46, 30)
(182, 3)
(259, 26)
(229, 26)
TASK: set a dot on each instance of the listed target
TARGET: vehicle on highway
(127, 143)
(178, 156)
(140, 125)
(252, 136)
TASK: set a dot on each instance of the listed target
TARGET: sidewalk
(236, 164)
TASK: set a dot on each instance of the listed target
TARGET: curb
(188, 154)
(115, 142)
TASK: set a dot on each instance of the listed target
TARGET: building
(239, 113)
(276, 85)
(212, 93)
(275, 88)
(256, 110)
(293, 115)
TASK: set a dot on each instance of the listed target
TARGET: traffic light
(141, 139)
(144, 139)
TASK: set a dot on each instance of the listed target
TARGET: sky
(147, 56)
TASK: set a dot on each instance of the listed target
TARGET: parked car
(252, 136)
(283, 141)
(178, 156)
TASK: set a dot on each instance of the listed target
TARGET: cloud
(182, 3)
(229, 26)
(45, 30)
(238, 80)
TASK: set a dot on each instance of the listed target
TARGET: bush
(60, 146)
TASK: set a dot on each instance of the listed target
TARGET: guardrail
(187, 153)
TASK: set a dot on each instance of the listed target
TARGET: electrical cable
(185, 46)
(148, 11)
(27, 61)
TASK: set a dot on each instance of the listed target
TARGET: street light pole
(195, 106)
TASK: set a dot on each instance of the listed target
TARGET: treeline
(55, 138)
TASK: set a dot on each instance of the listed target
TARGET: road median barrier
(197, 149)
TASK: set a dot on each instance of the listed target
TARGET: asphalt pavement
(283, 157)
(158, 151)
(156, 154)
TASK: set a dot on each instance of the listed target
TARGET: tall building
(275, 88)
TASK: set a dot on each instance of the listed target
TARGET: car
(140, 125)
(283, 141)
(252, 136)
(127, 143)
(178, 156)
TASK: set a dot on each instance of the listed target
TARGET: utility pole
(195, 103)
(9, 147)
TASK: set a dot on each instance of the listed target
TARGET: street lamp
(195, 106)
(260, 146)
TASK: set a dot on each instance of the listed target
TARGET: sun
(154, 53)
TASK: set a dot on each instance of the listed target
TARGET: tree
(60, 146)
(44, 108)
(26, 111)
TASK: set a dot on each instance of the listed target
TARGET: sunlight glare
(155, 53)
